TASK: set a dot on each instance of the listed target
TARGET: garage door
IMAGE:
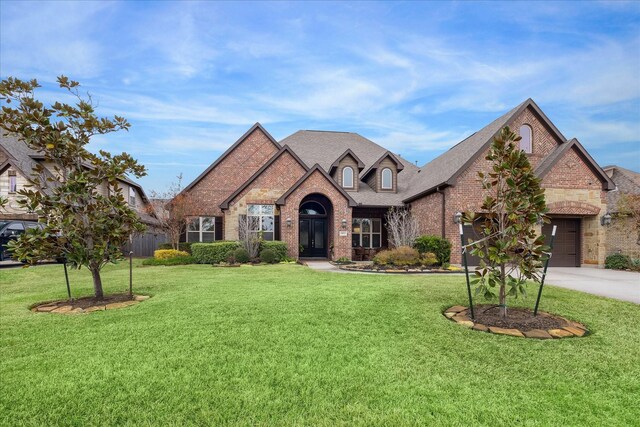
(566, 247)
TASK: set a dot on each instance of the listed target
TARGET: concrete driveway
(622, 285)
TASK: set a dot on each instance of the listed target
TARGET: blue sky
(415, 77)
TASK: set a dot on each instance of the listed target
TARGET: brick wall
(428, 211)
(544, 141)
(265, 189)
(233, 171)
(318, 183)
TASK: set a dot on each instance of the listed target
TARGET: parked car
(11, 230)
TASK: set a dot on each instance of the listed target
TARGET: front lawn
(283, 345)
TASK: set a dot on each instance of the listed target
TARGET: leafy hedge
(169, 253)
(617, 262)
(279, 248)
(213, 253)
(182, 246)
(440, 247)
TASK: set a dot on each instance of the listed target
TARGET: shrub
(213, 253)
(268, 256)
(635, 264)
(440, 247)
(168, 253)
(181, 260)
(182, 246)
(429, 259)
(402, 256)
(617, 262)
(241, 255)
(278, 247)
(343, 260)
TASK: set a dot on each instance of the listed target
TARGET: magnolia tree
(87, 218)
(174, 208)
(402, 226)
(509, 248)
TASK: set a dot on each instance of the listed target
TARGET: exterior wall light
(605, 219)
(344, 224)
(288, 222)
(457, 218)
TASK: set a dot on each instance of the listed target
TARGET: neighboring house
(623, 235)
(326, 193)
(18, 161)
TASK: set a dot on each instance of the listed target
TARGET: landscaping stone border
(461, 316)
(66, 307)
(351, 267)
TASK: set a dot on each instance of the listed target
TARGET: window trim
(13, 181)
(530, 132)
(390, 187)
(370, 233)
(344, 169)
(261, 217)
(199, 230)
(132, 197)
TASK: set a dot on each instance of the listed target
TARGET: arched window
(526, 143)
(347, 177)
(387, 179)
(312, 208)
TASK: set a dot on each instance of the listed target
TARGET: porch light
(344, 224)
(457, 218)
(605, 219)
(289, 222)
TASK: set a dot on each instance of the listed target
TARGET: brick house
(326, 193)
(18, 161)
(623, 235)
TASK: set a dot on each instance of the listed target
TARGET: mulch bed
(370, 268)
(519, 318)
(520, 322)
(88, 304)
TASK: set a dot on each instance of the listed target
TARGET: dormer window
(347, 177)
(387, 179)
(132, 196)
(526, 143)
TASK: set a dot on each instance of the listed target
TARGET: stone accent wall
(233, 171)
(622, 235)
(264, 190)
(318, 183)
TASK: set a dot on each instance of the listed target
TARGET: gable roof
(547, 164)
(314, 168)
(230, 149)
(335, 164)
(376, 165)
(315, 146)
(284, 149)
(445, 169)
(631, 175)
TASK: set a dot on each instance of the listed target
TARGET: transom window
(312, 208)
(526, 143)
(202, 229)
(366, 232)
(347, 177)
(261, 220)
(387, 179)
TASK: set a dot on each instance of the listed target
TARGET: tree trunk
(503, 292)
(97, 282)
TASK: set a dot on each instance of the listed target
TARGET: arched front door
(313, 229)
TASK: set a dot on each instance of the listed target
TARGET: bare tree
(174, 208)
(250, 241)
(402, 226)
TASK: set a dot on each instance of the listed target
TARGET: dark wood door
(566, 246)
(313, 237)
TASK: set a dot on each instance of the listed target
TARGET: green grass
(283, 345)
